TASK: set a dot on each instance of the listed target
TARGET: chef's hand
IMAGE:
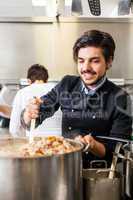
(87, 140)
(95, 146)
(32, 110)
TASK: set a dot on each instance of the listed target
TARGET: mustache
(88, 71)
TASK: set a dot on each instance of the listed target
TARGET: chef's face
(91, 64)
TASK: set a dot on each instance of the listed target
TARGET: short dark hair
(37, 72)
(95, 38)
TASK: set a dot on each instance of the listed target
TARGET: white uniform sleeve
(15, 125)
(4, 95)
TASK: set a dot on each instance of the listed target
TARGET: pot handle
(86, 147)
(94, 163)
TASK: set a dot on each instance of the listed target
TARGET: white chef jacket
(50, 126)
(6, 98)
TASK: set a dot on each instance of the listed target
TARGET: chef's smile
(91, 64)
(88, 74)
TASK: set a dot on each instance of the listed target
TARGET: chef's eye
(96, 61)
(80, 61)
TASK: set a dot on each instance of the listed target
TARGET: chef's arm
(98, 149)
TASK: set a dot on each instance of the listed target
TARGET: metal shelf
(27, 19)
(84, 19)
(71, 19)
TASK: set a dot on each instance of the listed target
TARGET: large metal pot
(52, 178)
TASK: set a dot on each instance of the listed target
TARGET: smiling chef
(91, 105)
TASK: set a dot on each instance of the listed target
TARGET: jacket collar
(91, 91)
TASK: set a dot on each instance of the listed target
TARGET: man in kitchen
(37, 78)
(91, 105)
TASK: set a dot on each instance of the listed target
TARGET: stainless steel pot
(51, 178)
(97, 185)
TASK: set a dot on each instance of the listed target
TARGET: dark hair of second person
(37, 72)
(98, 39)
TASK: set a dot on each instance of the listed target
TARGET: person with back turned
(91, 105)
(37, 76)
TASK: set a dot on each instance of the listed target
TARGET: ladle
(114, 161)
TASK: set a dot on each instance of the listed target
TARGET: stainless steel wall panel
(23, 44)
(15, 8)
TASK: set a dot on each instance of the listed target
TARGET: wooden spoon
(32, 127)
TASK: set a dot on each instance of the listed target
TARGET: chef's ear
(108, 66)
(109, 63)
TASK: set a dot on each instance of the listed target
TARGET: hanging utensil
(95, 7)
(59, 7)
(77, 7)
(114, 161)
(124, 7)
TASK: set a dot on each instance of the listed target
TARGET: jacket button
(93, 116)
(70, 128)
(72, 110)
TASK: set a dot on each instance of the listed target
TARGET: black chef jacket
(104, 113)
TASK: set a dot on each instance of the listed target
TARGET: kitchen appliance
(132, 6)
(55, 177)
(76, 7)
(124, 7)
(95, 7)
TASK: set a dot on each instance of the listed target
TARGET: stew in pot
(41, 146)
